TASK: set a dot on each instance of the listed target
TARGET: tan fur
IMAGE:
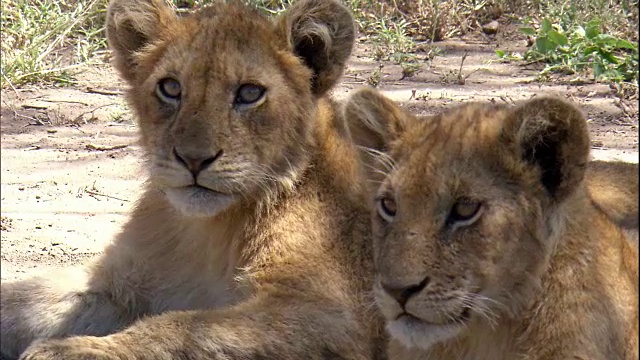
(613, 186)
(539, 272)
(270, 258)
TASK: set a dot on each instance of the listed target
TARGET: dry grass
(47, 40)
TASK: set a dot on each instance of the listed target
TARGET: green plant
(391, 42)
(620, 16)
(375, 77)
(509, 55)
(392, 36)
(457, 75)
(408, 62)
(582, 49)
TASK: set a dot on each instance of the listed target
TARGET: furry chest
(204, 291)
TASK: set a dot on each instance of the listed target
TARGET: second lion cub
(487, 244)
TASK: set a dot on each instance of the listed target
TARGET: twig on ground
(105, 148)
(38, 121)
(10, 84)
(35, 106)
(91, 90)
(79, 117)
(507, 99)
(65, 101)
(462, 79)
(90, 192)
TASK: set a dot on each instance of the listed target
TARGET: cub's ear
(373, 120)
(551, 134)
(322, 33)
(131, 25)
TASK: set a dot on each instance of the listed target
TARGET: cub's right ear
(131, 25)
(373, 120)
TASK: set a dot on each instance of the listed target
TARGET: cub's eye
(386, 208)
(169, 91)
(250, 94)
(465, 212)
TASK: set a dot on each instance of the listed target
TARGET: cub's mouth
(197, 200)
(422, 333)
(199, 189)
(460, 319)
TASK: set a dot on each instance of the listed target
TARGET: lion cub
(251, 238)
(486, 242)
(614, 186)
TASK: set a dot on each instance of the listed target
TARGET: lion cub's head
(467, 207)
(225, 98)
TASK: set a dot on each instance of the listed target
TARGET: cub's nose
(193, 164)
(402, 294)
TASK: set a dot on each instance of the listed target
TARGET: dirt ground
(71, 169)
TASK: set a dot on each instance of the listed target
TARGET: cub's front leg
(273, 327)
(64, 303)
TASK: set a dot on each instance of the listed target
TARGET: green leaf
(589, 50)
(579, 30)
(597, 70)
(545, 26)
(607, 55)
(528, 31)
(605, 39)
(612, 75)
(624, 44)
(593, 29)
(545, 45)
(557, 38)
(500, 53)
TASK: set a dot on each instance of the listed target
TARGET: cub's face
(224, 101)
(461, 217)
(224, 114)
(456, 236)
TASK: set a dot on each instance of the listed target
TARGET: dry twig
(95, 193)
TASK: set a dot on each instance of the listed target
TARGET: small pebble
(491, 28)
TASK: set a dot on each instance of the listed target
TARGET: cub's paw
(75, 348)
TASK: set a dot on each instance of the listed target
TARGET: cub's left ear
(322, 33)
(551, 134)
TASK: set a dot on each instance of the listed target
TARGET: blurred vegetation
(581, 49)
(47, 41)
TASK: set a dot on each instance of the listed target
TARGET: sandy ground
(71, 166)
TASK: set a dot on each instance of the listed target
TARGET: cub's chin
(198, 201)
(416, 333)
